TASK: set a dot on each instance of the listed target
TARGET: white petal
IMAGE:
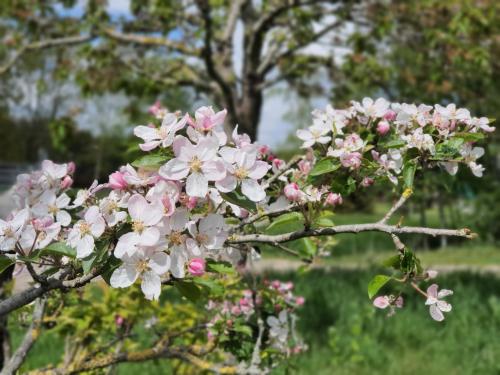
(85, 246)
(160, 263)
(444, 306)
(175, 169)
(63, 218)
(197, 185)
(147, 133)
(214, 170)
(126, 244)
(149, 237)
(123, 276)
(259, 170)
(252, 190)
(436, 314)
(227, 184)
(178, 261)
(444, 292)
(98, 227)
(151, 285)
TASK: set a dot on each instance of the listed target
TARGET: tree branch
(350, 228)
(401, 201)
(30, 337)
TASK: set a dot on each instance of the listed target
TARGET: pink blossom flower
(71, 167)
(390, 115)
(382, 302)
(304, 167)
(207, 123)
(196, 266)
(292, 192)
(66, 182)
(436, 303)
(334, 199)
(162, 136)
(367, 181)
(117, 181)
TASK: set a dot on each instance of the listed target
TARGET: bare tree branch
(29, 339)
(400, 202)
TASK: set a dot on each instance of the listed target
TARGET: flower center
(315, 133)
(201, 238)
(195, 164)
(176, 238)
(52, 209)
(8, 232)
(84, 228)
(241, 173)
(141, 266)
(138, 227)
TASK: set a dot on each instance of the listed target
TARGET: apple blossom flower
(481, 123)
(410, 112)
(278, 326)
(304, 167)
(370, 108)
(66, 182)
(196, 266)
(11, 230)
(208, 235)
(241, 140)
(84, 195)
(292, 192)
(207, 123)
(451, 112)
(54, 171)
(347, 150)
(144, 264)
(243, 168)
(316, 133)
(367, 181)
(157, 110)
(117, 181)
(162, 136)
(417, 139)
(333, 199)
(111, 208)
(382, 302)
(83, 233)
(40, 234)
(470, 155)
(390, 115)
(139, 177)
(199, 163)
(145, 217)
(52, 206)
(436, 303)
(390, 164)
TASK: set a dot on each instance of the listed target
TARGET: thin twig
(400, 202)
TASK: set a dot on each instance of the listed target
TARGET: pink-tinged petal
(62, 201)
(228, 154)
(436, 314)
(175, 169)
(227, 184)
(444, 306)
(137, 206)
(63, 218)
(221, 136)
(148, 146)
(179, 220)
(147, 133)
(444, 292)
(214, 170)
(259, 170)
(153, 214)
(197, 185)
(151, 285)
(432, 291)
(207, 148)
(124, 276)
(85, 246)
(399, 302)
(304, 135)
(218, 118)
(149, 237)
(20, 219)
(187, 152)
(381, 302)
(92, 214)
(179, 142)
(126, 244)
(159, 263)
(252, 190)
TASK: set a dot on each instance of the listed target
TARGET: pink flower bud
(196, 266)
(66, 182)
(292, 192)
(333, 199)
(367, 181)
(116, 181)
(119, 320)
(390, 115)
(275, 284)
(277, 164)
(304, 167)
(383, 127)
(264, 149)
(381, 302)
(299, 301)
(71, 167)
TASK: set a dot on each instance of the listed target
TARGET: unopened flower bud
(196, 266)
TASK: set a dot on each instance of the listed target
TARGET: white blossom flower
(436, 303)
(11, 230)
(208, 123)
(316, 133)
(52, 206)
(451, 112)
(112, 207)
(140, 177)
(145, 217)
(406, 113)
(372, 109)
(145, 264)
(243, 168)
(84, 195)
(164, 135)
(278, 326)
(209, 234)
(417, 139)
(83, 233)
(199, 163)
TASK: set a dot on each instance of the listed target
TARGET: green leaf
(59, 248)
(408, 261)
(376, 283)
(246, 330)
(189, 290)
(97, 257)
(220, 267)
(324, 166)
(5, 262)
(109, 267)
(395, 143)
(324, 220)
(409, 170)
(212, 285)
(470, 137)
(394, 262)
(305, 247)
(151, 161)
(235, 197)
(286, 223)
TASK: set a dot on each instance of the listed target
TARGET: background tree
(182, 43)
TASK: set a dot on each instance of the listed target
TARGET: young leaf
(286, 223)
(409, 170)
(151, 161)
(376, 283)
(394, 262)
(324, 166)
(188, 289)
(5, 262)
(59, 248)
(240, 200)
(220, 267)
